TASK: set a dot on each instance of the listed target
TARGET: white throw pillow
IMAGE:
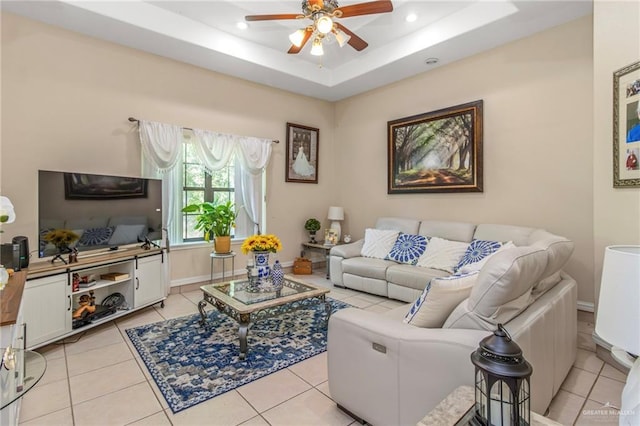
(476, 266)
(442, 254)
(438, 300)
(378, 242)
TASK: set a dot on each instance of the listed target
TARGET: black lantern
(502, 382)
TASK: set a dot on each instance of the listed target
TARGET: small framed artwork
(439, 151)
(330, 237)
(626, 127)
(302, 154)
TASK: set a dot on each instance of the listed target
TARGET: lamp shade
(618, 316)
(335, 213)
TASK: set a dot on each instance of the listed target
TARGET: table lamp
(618, 320)
(336, 214)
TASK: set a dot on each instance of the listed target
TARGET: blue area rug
(192, 364)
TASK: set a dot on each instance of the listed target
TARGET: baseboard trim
(586, 306)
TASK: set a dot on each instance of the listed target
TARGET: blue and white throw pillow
(96, 236)
(408, 248)
(478, 250)
(439, 298)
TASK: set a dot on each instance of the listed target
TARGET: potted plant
(312, 225)
(216, 221)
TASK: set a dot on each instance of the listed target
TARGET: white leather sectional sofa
(388, 372)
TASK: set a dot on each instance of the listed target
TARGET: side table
(223, 256)
(319, 247)
(456, 409)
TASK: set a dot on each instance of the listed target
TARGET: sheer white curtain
(162, 152)
(215, 151)
(162, 146)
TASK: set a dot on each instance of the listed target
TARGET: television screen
(92, 212)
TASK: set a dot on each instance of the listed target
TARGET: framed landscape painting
(302, 154)
(439, 151)
(626, 127)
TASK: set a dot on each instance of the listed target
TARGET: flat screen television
(104, 212)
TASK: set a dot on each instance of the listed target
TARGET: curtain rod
(135, 120)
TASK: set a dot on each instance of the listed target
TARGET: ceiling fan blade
(355, 41)
(271, 17)
(380, 6)
(305, 39)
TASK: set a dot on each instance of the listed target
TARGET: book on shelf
(87, 284)
(114, 276)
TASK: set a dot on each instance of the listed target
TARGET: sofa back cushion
(503, 288)
(520, 235)
(456, 231)
(559, 250)
(404, 225)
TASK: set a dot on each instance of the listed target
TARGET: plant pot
(312, 237)
(222, 244)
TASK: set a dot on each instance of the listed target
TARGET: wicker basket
(302, 266)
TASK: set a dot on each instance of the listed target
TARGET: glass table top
(236, 294)
(34, 367)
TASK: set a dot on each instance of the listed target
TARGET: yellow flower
(268, 242)
(60, 237)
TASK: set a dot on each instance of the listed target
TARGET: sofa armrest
(388, 372)
(347, 250)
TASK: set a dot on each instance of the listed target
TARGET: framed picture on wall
(302, 154)
(626, 127)
(439, 151)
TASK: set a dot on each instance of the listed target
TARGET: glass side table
(223, 257)
(32, 371)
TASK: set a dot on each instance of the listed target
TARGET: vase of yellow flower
(260, 246)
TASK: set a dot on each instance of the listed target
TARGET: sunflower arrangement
(61, 238)
(268, 242)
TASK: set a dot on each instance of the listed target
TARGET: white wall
(538, 101)
(616, 34)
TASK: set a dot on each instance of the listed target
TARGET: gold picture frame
(626, 127)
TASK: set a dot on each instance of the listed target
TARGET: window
(218, 186)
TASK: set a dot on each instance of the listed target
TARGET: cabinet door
(149, 281)
(46, 308)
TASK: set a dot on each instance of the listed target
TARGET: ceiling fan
(323, 14)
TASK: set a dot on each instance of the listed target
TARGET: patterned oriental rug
(192, 364)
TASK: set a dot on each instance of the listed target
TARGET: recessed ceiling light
(411, 17)
(242, 25)
(431, 61)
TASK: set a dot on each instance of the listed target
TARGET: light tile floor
(97, 378)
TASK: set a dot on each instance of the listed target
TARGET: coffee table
(233, 299)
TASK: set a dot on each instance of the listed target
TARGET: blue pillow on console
(408, 248)
(478, 250)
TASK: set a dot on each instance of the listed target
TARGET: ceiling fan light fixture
(342, 37)
(324, 24)
(316, 47)
(296, 37)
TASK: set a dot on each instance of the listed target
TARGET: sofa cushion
(400, 224)
(408, 248)
(412, 277)
(438, 299)
(559, 251)
(378, 242)
(442, 254)
(507, 277)
(478, 250)
(367, 267)
(476, 266)
(518, 234)
(456, 231)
